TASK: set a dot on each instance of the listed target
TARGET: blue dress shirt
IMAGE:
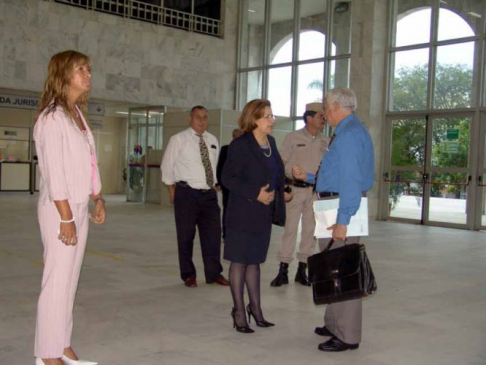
(347, 167)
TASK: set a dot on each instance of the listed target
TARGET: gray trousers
(344, 319)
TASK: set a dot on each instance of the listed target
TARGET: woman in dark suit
(254, 174)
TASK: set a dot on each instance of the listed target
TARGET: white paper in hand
(325, 213)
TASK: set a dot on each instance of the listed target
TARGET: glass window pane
(209, 9)
(299, 124)
(313, 24)
(339, 76)
(450, 142)
(341, 28)
(460, 18)
(310, 85)
(253, 33)
(279, 90)
(405, 195)
(152, 141)
(281, 31)
(250, 87)
(412, 21)
(448, 197)
(408, 142)
(311, 45)
(454, 76)
(184, 5)
(409, 89)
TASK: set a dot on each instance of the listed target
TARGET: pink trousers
(62, 265)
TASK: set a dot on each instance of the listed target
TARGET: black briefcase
(341, 274)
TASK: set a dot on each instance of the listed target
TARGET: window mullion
(295, 56)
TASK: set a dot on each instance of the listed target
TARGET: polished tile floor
(132, 308)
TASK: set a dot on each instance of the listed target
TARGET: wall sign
(32, 102)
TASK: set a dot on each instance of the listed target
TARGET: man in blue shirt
(346, 172)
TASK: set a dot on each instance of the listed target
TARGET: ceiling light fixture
(252, 11)
(474, 14)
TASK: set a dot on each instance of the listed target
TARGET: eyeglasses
(269, 117)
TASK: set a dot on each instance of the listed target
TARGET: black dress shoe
(336, 345)
(323, 331)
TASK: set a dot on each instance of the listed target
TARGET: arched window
(310, 76)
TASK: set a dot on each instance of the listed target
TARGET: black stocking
(252, 279)
(237, 284)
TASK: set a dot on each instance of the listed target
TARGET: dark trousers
(194, 208)
(225, 207)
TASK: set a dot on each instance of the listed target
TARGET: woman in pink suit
(69, 177)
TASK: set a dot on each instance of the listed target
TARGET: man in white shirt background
(189, 169)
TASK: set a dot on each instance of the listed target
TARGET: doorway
(435, 170)
(145, 138)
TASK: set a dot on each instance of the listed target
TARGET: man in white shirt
(189, 169)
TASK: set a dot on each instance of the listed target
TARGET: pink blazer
(65, 163)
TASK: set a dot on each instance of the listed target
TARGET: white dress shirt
(182, 159)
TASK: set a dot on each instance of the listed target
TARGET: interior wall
(133, 61)
(108, 142)
(109, 149)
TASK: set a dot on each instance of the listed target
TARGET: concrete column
(368, 47)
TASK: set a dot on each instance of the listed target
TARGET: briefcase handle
(331, 242)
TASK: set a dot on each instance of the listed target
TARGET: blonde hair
(252, 111)
(56, 87)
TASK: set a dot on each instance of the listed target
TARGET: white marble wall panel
(133, 61)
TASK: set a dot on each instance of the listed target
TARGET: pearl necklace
(270, 149)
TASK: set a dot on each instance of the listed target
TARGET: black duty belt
(184, 184)
(301, 184)
(327, 194)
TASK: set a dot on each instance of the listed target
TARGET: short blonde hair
(252, 111)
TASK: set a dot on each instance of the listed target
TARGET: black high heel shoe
(242, 329)
(262, 323)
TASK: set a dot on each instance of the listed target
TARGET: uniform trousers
(301, 205)
(62, 266)
(343, 319)
(199, 208)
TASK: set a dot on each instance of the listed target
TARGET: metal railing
(155, 14)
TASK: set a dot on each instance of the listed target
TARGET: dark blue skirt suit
(249, 222)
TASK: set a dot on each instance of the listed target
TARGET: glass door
(406, 166)
(154, 155)
(428, 174)
(448, 170)
(137, 146)
(144, 150)
(480, 222)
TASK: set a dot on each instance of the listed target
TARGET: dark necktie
(205, 161)
(317, 173)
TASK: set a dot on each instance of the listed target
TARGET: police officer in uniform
(304, 147)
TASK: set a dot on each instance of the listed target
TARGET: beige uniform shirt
(301, 148)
